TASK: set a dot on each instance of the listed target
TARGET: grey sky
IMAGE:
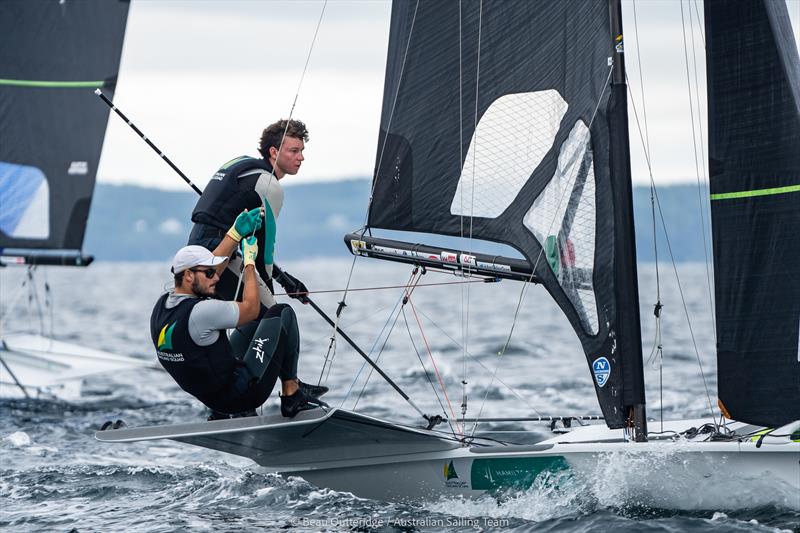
(202, 78)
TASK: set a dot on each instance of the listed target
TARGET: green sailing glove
(249, 251)
(246, 223)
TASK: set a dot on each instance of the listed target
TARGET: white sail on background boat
(495, 122)
(52, 136)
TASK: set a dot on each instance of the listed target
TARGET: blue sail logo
(602, 369)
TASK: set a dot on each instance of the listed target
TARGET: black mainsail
(53, 54)
(502, 122)
(754, 159)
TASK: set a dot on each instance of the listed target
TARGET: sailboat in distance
(54, 54)
(494, 122)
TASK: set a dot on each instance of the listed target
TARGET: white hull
(51, 369)
(375, 459)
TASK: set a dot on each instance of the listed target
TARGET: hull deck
(372, 458)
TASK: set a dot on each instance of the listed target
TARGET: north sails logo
(259, 348)
(602, 369)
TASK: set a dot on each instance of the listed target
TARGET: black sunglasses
(209, 272)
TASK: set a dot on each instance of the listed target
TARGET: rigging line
(377, 339)
(685, 308)
(17, 296)
(48, 304)
(696, 162)
(286, 128)
(478, 361)
(465, 319)
(342, 304)
(380, 352)
(34, 296)
(332, 345)
(308, 59)
(377, 173)
(641, 82)
(425, 371)
(657, 340)
(371, 350)
(705, 204)
(435, 368)
(538, 258)
(654, 190)
(499, 356)
(385, 287)
(464, 291)
(699, 21)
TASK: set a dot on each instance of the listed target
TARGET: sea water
(509, 342)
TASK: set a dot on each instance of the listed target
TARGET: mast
(629, 333)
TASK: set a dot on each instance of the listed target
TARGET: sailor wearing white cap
(188, 330)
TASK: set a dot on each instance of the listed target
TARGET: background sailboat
(533, 152)
(55, 54)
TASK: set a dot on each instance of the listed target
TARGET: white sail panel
(510, 141)
(563, 221)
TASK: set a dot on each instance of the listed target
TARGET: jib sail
(754, 160)
(496, 127)
(53, 55)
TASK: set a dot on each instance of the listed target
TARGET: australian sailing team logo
(451, 479)
(164, 348)
(602, 369)
(165, 337)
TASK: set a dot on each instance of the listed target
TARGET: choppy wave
(55, 476)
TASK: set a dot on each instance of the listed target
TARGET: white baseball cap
(192, 256)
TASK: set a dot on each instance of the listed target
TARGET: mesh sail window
(511, 139)
(563, 221)
(53, 55)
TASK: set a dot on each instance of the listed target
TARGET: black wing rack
(455, 261)
(44, 257)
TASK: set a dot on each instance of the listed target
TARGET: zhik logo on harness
(602, 369)
(259, 348)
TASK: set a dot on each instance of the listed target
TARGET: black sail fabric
(496, 126)
(53, 55)
(754, 159)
